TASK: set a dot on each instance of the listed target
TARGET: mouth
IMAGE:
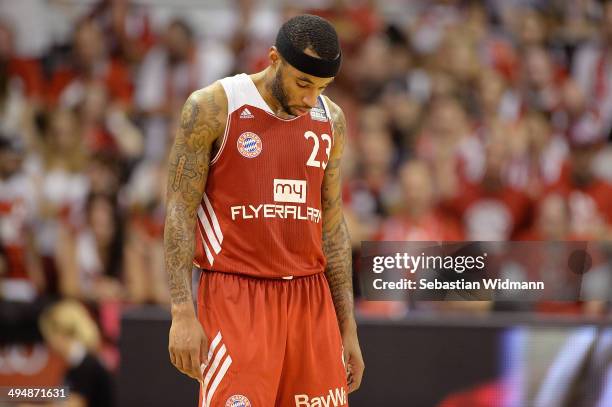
(301, 111)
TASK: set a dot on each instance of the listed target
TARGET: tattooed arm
(202, 123)
(337, 248)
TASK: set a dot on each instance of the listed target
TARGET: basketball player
(255, 173)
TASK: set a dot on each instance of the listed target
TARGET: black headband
(318, 67)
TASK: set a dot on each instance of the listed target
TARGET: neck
(263, 82)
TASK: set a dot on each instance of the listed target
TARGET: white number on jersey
(312, 161)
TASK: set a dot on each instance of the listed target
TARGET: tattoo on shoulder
(337, 116)
(200, 125)
(339, 138)
(189, 115)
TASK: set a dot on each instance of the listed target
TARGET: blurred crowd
(468, 120)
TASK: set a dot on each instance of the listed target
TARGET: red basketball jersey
(261, 211)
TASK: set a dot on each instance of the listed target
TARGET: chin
(300, 112)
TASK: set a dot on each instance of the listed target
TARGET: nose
(310, 99)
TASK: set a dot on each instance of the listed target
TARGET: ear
(274, 56)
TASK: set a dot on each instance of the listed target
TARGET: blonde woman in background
(70, 331)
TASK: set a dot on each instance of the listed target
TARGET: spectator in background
(99, 89)
(90, 257)
(457, 58)
(495, 100)
(404, 120)
(146, 275)
(374, 193)
(90, 64)
(446, 141)
(13, 97)
(59, 162)
(429, 27)
(592, 69)
(402, 60)
(105, 173)
(70, 331)
(246, 43)
(24, 278)
(21, 75)
(169, 73)
(541, 83)
(530, 28)
(588, 195)
(490, 208)
(541, 162)
(127, 28)
(373, 71)
(356, 21)
(576, 117)
(20, 94)
(55, 165)
(552, 220)
(106, 127)
(420, 218)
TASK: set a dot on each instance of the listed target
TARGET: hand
(352, 358)
(188, 346)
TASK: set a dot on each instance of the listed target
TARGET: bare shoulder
(202, 123)
(204, 114)
(337, 116)
(339, 129)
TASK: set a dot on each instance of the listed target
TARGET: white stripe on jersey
(209, 255)
(208, 229)
(211, 351)
(211, 371)
(214, 219)
(218, 378)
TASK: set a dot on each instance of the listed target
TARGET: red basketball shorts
(271, 342)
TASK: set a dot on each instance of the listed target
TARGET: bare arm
(202, 122)
(336, 239)
(337, 248)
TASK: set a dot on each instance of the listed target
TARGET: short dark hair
(310, 31)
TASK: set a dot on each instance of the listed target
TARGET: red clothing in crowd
(29, 71)
(433, 226)
(489, 214)
(15, 218)
(588, 204)
(115, 77)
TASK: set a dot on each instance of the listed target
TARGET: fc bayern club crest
(238, 400)
(249, 144)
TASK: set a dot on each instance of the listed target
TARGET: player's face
(296, 91)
